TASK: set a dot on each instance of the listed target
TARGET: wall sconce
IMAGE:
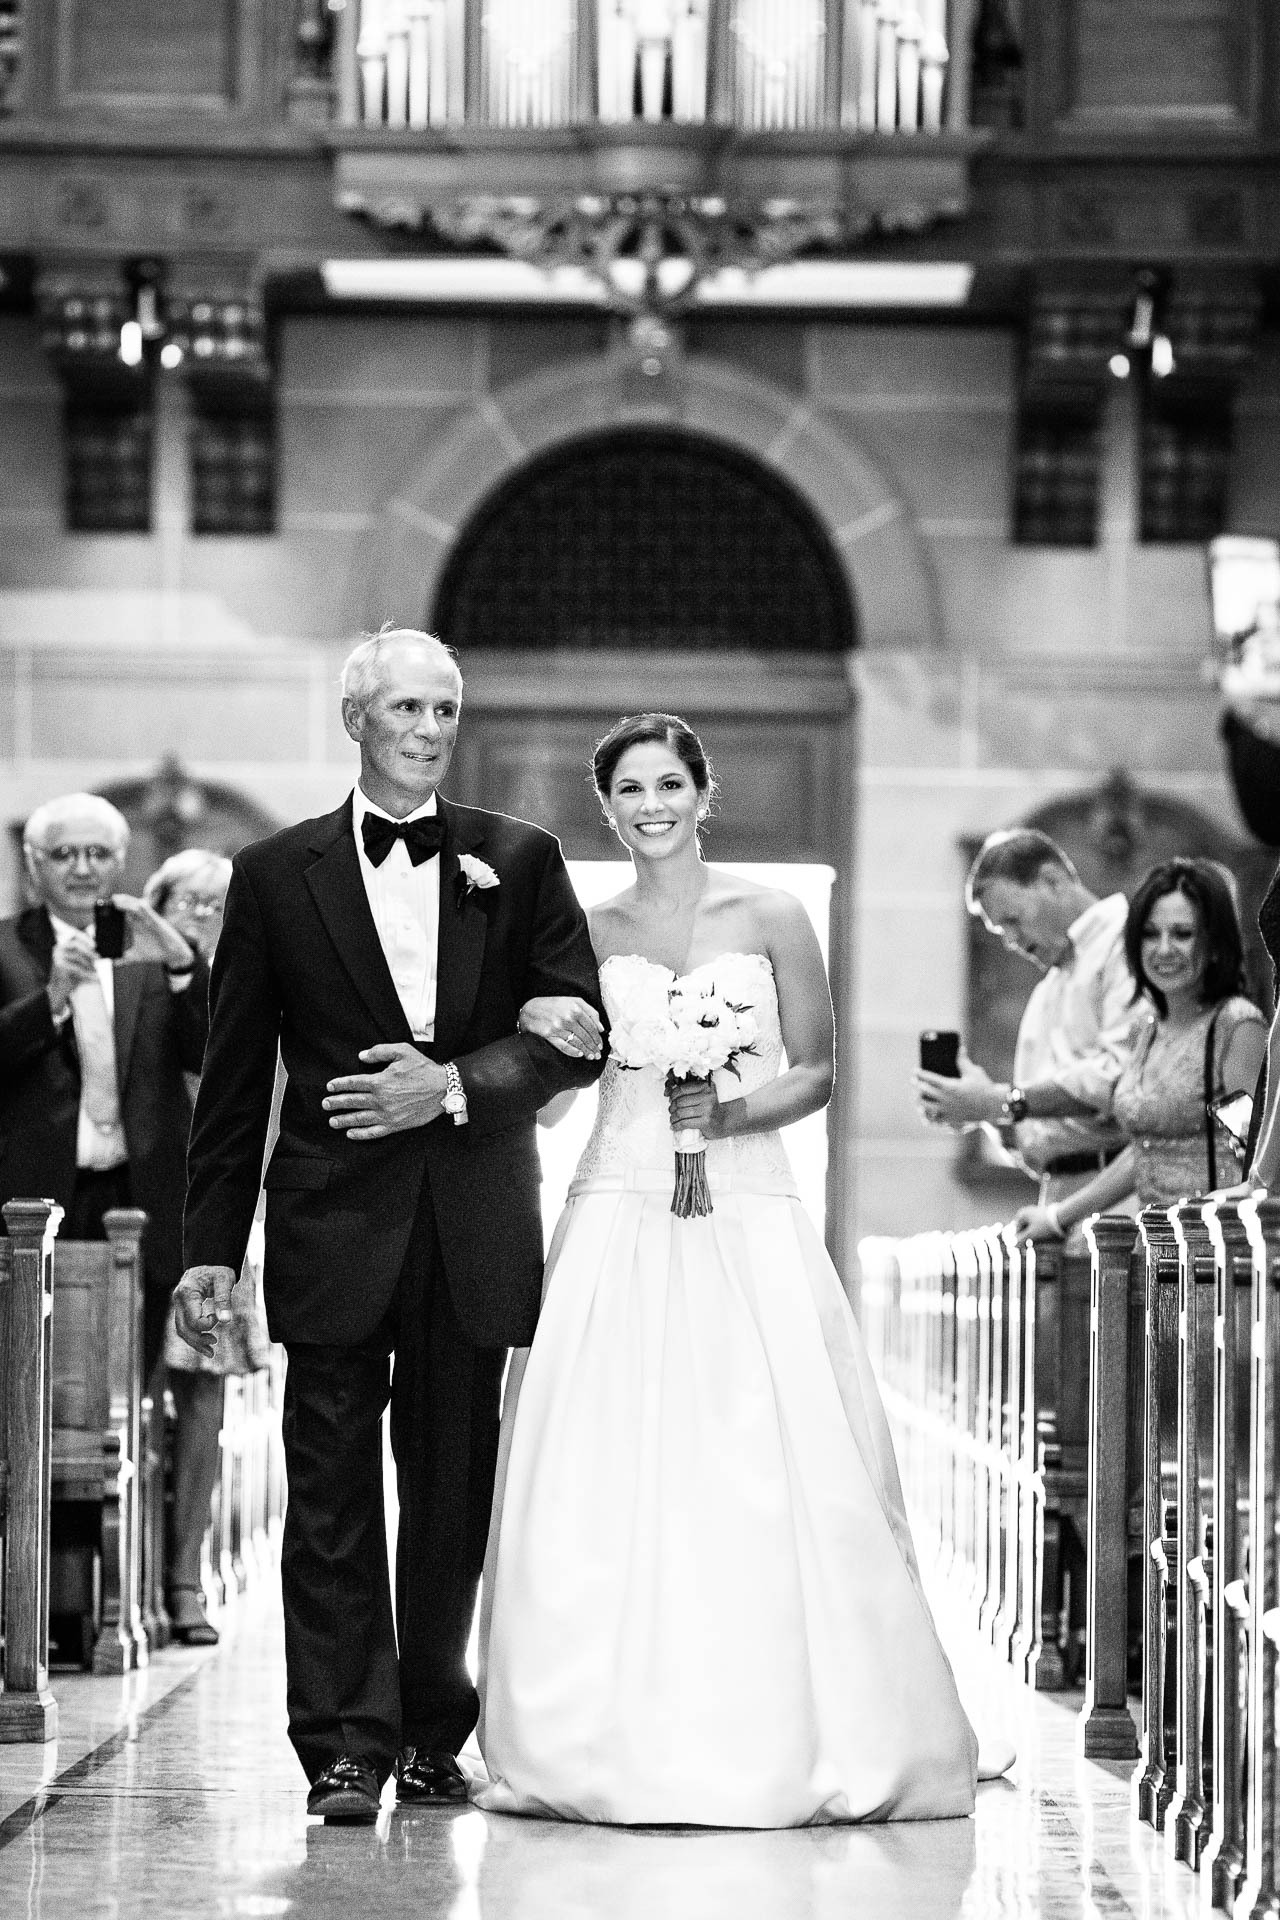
(1146, 341)
(144, 334)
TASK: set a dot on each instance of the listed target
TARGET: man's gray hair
(359, 669)
(50, 811)
(1017, 854)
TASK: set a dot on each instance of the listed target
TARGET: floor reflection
(178, 1797)
(473, 1866)
(540, 1871)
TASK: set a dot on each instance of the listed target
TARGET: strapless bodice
(632, 1133)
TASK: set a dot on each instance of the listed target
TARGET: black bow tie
(422, 837)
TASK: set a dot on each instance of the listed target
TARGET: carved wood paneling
(149, 50)
(193, 67)
(1124, 63)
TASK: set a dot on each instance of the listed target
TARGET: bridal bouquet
(689, 1031)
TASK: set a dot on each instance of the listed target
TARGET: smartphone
(108, 930)
(1233, 1115)
(939, 1053)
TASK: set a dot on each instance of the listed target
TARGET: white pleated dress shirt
(405, 903)
(1076, 1030)
(98, 1146)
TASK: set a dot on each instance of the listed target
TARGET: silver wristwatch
(455, 1095)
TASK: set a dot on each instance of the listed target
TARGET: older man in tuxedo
(93, 1107)
(386, 950)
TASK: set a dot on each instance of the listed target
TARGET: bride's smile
(654, 802)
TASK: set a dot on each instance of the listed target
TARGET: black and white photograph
(639, 959)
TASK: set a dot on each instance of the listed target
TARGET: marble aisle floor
(175, 1794)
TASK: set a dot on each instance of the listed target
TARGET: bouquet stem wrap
(692, 1197)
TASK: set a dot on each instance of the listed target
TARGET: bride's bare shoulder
(612, 923)
(767, 909)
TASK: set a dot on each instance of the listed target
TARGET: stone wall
(989, 677)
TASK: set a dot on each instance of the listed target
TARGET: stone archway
(886, 567)
(644, 538)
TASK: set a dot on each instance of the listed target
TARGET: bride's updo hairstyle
(637, 730)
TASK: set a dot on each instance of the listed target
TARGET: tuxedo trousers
(361, 1681)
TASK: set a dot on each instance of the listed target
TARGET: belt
(1065, 1163)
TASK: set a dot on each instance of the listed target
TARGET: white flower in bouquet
(643, 1041)
(689, 1034)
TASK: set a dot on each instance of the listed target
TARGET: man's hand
(1034, 1223)
(150, 936)
(972, 1097)
(408, 1092)
(201, 1303)
(74, 962)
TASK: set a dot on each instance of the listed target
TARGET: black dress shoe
(346, 1790)
(428, 1779)
(189, 1624)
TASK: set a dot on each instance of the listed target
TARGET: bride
(702, 1604)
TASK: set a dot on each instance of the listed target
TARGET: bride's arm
(571, 1024)
(808, 1034)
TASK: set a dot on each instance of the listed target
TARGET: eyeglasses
(67, 856)
(198, 905)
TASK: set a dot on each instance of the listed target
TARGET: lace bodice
(1159, 1101)
(632, 1132)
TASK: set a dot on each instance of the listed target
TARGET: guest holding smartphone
(1197, 1043)
(93, 1106)
(1072, 1036)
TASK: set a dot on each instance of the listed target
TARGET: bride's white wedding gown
(702, 1604)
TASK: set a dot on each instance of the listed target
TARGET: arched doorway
(645, 537)
(649, 566)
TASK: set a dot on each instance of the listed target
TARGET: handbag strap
(1210, 1129)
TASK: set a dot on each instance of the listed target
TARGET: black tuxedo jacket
(300, 964)
(158, 1034)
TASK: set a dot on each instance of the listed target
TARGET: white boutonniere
(478, 874)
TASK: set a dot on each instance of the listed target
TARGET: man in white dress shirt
(1074, 1035)
(93, 1108)
(386, 950)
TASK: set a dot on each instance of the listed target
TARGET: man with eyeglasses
(93, 1106)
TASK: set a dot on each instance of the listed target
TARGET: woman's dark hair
(636, 730)
(1211, 890)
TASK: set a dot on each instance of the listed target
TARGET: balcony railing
(883, 66)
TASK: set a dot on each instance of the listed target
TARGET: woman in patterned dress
(1186, 954)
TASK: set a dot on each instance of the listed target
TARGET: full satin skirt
(701, 1601)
